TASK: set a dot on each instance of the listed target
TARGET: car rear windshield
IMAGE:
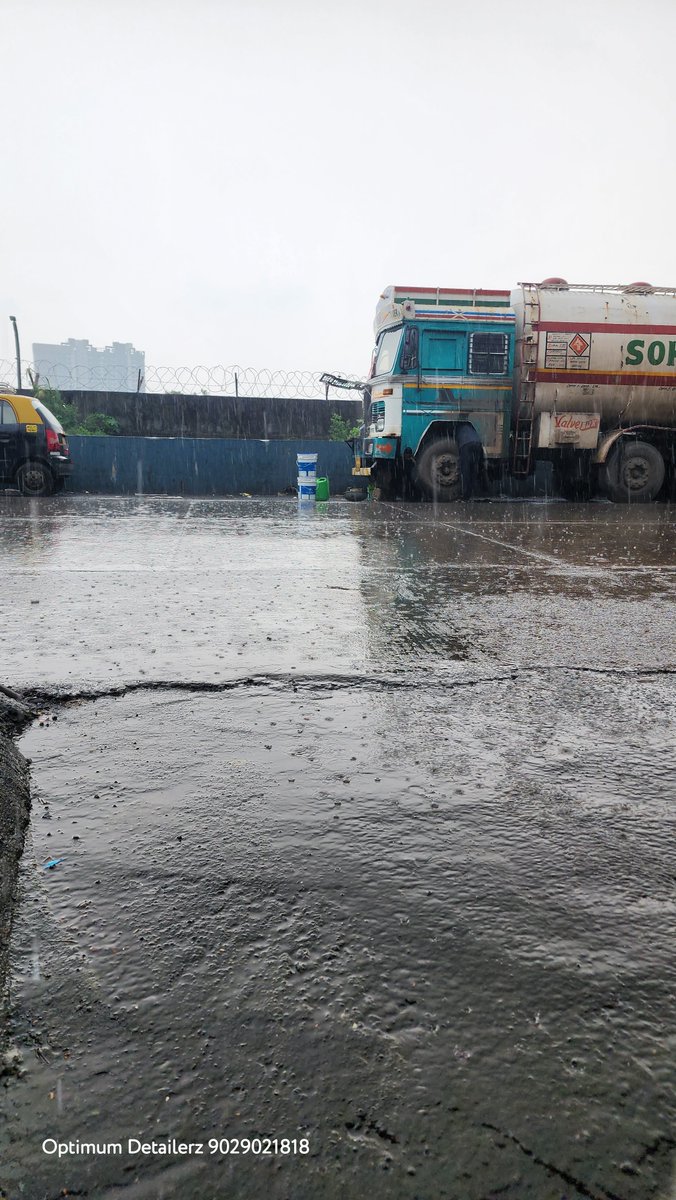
(47, 416)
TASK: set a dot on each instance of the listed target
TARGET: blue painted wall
(199, 466)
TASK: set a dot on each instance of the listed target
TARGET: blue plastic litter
(53, 862)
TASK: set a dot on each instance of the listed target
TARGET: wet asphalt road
(379, 853)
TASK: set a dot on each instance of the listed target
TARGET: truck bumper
(375, 450)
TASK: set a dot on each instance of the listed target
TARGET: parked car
(34, 454)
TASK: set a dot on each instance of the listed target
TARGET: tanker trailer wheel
(635, 473)
(439, 470)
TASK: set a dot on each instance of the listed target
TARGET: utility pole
(18, 354)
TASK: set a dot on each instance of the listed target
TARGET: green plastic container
(322, 492)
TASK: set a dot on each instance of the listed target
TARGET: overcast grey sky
(235, 181)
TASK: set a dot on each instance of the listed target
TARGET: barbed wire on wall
(206, 381)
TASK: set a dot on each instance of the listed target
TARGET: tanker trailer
(595, 386)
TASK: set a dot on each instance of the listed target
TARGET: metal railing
(205, 381)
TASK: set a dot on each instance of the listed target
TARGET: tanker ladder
(523, 438)
(522, 446)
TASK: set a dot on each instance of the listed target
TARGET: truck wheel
(635, 473)
(34, 479)
(439, 470)
(385, 481)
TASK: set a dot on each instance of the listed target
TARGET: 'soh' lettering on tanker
(656, 353)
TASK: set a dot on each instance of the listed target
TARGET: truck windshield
(388, 349)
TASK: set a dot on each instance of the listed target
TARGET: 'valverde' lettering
(656, 353)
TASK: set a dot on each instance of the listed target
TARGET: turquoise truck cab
(443, 357)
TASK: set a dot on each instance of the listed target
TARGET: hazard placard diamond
(578, 345)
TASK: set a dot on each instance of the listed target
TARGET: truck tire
(384, 479)
(634, 472)
(34, 479)
(439, 470)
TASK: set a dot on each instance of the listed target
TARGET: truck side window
(488, 354)
(441, 351)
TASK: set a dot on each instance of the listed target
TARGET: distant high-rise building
(77, 365)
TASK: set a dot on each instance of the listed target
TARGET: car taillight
(52, 441)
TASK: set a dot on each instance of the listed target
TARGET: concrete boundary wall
(152, 415)
(199, 466)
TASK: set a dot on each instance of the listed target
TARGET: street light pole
(18, 354)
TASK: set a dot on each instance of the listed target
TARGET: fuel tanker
(581, 375)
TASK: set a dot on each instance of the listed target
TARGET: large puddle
(427, 928)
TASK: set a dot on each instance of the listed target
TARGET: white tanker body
(595, 384)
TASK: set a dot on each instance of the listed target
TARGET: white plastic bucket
(307, 466)
(306, 488)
